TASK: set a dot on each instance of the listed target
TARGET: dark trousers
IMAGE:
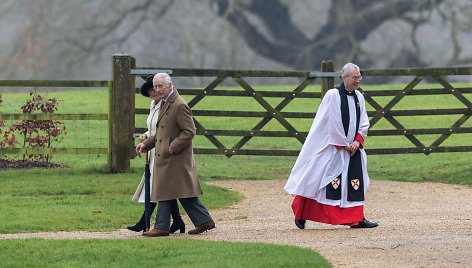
(197, 213)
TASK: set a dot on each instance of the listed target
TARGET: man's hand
(141, 147)
(142, 138)
(352, 148)
(171, 150)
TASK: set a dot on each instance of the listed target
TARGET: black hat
(148, 85)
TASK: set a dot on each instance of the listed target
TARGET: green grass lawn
(152, 253)
(71, 199)
(66, 199)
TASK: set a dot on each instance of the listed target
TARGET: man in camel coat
(175, 174)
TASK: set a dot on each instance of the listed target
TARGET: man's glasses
(356, 78)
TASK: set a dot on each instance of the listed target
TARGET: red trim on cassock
(360, 140)
(308, 209)
(338, 146)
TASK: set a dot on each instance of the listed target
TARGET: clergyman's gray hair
(348, 67)
(166, 76)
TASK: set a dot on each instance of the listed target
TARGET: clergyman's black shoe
(300, 223)
(365, 224)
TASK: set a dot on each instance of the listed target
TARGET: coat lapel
(164, 109)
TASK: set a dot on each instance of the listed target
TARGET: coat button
(158, 155)
(160, 140)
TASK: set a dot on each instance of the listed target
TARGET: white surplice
(319, 161)
(151, 123)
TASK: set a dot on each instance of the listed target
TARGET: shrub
(35, 133)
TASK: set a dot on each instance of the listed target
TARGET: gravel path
(420, 225)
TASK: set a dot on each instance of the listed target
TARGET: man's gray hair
(348, 67)
(166, 76)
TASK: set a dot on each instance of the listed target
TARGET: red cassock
(308, 209)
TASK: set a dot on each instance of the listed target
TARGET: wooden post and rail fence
(122, 110)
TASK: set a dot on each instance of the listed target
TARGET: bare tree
(273, 33)
(55, 39)
(95, 36)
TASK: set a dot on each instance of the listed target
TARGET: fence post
(122, 105)
(330, 68)
(326, 82)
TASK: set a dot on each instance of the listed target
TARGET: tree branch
(235, 14)
(101, 37)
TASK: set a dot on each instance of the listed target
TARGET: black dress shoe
(365, 224)
(300, 223)
(176, 226)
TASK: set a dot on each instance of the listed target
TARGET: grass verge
(153, 253)
(38, 200)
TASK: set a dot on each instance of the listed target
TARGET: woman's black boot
(177, 223)
(141, 225)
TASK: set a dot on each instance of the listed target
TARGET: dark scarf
(355, 176)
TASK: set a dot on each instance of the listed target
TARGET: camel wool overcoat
(175, 176)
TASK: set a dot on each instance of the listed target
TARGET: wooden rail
(122, 110)
(327, 76)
